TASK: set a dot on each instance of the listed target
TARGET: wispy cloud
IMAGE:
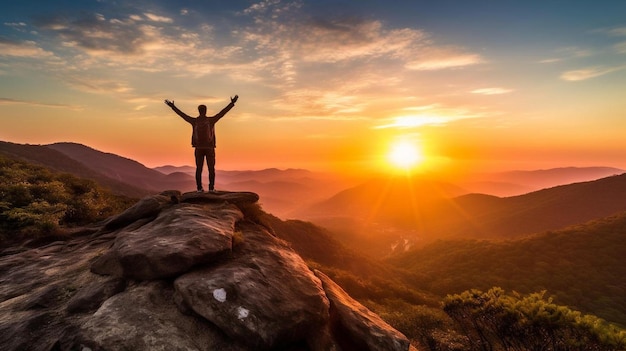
(427, 118)
(588, 73)
(10, 101)
(97, 85)
(615, 31)
(620, 47)
(96, 34)
(157, 18)
(22, 49)
(568, 53)
(407, 122)
(443, 58)
(492, 91)
(18, 26)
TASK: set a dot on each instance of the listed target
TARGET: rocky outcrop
(361, 327)
(178, 239)
(180, 272)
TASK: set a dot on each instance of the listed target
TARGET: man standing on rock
(203, 139)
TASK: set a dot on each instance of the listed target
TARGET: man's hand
(169, 103)
(234, 99)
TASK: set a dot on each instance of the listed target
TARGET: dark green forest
(580, 266)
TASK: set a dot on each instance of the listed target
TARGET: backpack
(203, 132)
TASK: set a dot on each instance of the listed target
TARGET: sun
(405, 154)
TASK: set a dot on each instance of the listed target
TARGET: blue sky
(323, 84)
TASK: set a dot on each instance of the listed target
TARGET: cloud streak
(491, 91)
(444, 60)
(10, 101)
(588, 73)
(24, 49)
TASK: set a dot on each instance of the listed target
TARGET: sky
(472, 86)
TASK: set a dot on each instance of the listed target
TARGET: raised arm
(178, 111)
(227, 108)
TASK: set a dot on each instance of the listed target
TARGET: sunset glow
(405, 155)
(322, 85)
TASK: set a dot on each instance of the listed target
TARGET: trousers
(201, 155)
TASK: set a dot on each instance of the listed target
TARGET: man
(203, 139)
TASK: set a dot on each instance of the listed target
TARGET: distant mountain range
(521, 182)
(281, 191)
(431, 208)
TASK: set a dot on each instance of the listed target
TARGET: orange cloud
(491, 91)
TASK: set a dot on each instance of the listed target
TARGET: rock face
(179, 272)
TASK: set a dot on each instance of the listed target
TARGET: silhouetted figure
(203, 139)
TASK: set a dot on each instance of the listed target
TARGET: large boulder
(265, 296)
(148, 207)
(145, 318)
(356, 326)
(181, 237)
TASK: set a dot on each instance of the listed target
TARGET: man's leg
(210, 161)
(199, 164)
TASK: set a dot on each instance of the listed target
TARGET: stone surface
(175, 274)
(265, 296)
(145, 318)
(361, 328)
(147, 207)
(90, 297)
(237, 198)
(181, 237)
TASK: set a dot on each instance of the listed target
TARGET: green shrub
(494, 320)
(36, 201)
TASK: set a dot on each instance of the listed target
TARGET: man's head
(202, 110)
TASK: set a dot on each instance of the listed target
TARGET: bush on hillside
(494, 320)
(35, 201)
(427, 327)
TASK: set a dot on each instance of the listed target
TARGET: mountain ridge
(438, 215)
(122, 168)
(414, 196)
(60, 162)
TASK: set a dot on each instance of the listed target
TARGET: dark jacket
(203, 127)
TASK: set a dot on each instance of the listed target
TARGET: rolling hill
(513, 183)
(582, 266)
(393, 199)
(548, 209)
(431, 210)
(124, 169)
(58, 161)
